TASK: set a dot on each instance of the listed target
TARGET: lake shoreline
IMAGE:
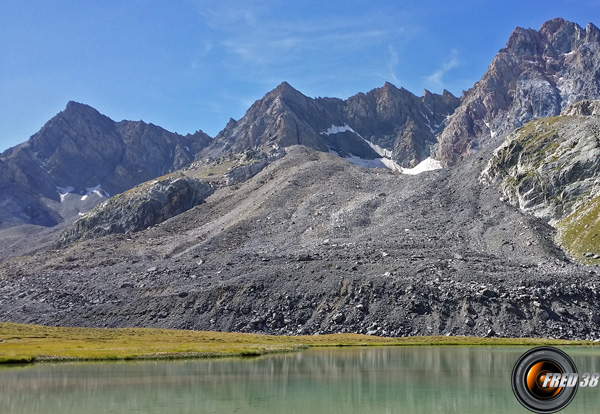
(24, 344)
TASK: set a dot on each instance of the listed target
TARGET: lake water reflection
(341, 380)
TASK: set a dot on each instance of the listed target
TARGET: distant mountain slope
(387, 122)
(536, 75)
(79, 158)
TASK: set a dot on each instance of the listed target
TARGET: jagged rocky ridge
(536, 75)
(385, 122)
(80, 152)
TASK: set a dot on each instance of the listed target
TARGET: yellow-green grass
(29, 343)
(579, 233)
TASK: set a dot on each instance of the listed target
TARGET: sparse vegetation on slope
(550, 168)
(579, 233)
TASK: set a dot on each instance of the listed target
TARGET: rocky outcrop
(551, 165)
(536, 75)
(551, 168)
(583, 108)
(386, 122)
(251, 163)
(143, 206)
(80, 151)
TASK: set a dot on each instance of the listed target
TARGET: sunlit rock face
(81, 152)
(386, 122)
(536, 75)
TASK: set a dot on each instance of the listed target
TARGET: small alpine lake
(413, 379)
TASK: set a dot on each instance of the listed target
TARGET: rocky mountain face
(81, 155)
(313, 244)
(386, 123)
(551, 168)
(536, 75)
(137, 209)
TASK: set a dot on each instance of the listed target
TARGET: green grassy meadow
(34, 343)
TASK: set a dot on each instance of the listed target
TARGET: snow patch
(428, 164)
(95, 190)
(385, 153)
(361, 162)
(334, 129)
(426, 118)
(386, 161)
(489, 127)
(63, 191)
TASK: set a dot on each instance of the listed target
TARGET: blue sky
(192, 64)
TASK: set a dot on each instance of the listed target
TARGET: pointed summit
(286, 91)
(556, 25)
(284, 116)
(79, 149)
(74, 105)
(390, 88)
(562, 35)
(536, 75)
(524, 42)
(79, 109)
(592, 33)
(285, 87)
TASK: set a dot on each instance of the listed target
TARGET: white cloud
(435, 80)
(230, 12)
(393, 61)
(260, 41)
(204, 48)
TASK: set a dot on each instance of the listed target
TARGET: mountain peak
(592, 32)
(562, 34)
(556, 25)
(79, 110)
(536, 75)
(285, 89)
(389, 87)
(447, 93)
(285, 85)
(77, 106)
(524, 41)
(554, 36)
